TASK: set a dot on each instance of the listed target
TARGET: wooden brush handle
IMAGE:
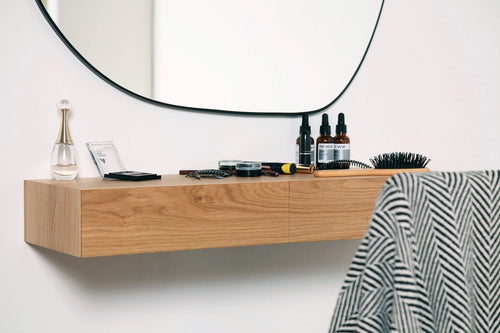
(364, 172)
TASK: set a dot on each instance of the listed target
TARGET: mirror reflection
(281, 56)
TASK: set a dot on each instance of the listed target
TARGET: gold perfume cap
(64, 136)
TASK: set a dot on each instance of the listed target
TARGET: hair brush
(340, 164)
(384, 161)
(399, 161)
(384, 164)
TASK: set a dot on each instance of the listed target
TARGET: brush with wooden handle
(383, 165)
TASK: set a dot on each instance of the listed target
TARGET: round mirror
(255, 56)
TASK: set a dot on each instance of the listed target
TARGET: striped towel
(430, 259)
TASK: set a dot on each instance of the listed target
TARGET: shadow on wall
(212, 267)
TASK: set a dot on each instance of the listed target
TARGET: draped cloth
(430, 258)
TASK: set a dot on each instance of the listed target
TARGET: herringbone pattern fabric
(430, 259)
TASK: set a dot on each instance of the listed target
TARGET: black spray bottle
(305, 127)
(341, 143)
(324, 143)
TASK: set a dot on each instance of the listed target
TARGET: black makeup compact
(248, 169)
(132, 175)
(229, 165)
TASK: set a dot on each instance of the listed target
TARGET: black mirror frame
(187, 108)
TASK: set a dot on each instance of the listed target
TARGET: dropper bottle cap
(325, 127)
(305, 123)
(341, 126)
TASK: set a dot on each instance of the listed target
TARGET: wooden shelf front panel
(142, 220)
(89, 217)
(332, 208)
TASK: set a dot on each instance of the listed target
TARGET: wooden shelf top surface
(181, 180)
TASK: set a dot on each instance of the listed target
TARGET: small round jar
(249, 169)
(228, 165)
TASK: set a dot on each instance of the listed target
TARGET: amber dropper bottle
(303, 128)
(341, 143)
(324, 143)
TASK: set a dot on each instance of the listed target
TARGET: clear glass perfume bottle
(64, 160)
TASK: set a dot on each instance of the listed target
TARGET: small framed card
(109, 164)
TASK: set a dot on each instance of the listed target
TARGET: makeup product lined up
(288, 168)
(341, 143)
(304, 145)
(270, 173)
(305, 148)
(228, 165)
(327, 148)
(305, 168)
(248, 169)
(282, 168)
(324, 143)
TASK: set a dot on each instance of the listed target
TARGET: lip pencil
(270, 173)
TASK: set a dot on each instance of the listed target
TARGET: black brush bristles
(341, 164)
(399, 161)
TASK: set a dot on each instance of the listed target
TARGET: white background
(429, 85)
(259, 55)
(101, 30)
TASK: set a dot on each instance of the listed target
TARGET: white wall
(429, 85)
(121, 27)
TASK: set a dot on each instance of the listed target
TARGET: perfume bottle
(64, 160)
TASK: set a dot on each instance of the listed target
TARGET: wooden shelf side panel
(145, 220)
(52, 217)
(332, 209)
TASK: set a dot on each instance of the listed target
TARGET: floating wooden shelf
(89, 217)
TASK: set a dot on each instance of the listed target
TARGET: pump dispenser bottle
(324, 143)
(341, 143)
(305, 127)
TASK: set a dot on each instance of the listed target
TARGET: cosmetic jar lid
(228, 164)
(248, 169)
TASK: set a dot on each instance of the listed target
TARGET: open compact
(248, 169)
(228, 165)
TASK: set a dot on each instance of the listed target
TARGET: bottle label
(313, 154)
(341, 151)
(325, 152)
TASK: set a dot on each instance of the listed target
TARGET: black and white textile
(430, 259)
